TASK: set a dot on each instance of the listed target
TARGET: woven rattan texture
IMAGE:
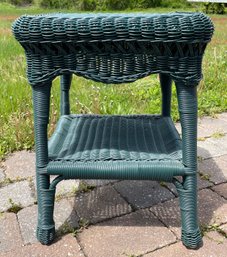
(109, 138)
(114, 48)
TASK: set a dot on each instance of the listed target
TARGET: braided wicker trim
(108, 69)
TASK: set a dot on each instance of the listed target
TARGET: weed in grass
(6, 182)
(62, 195)
(64, 229)
(15, 208)
(83, 223)
(200, 158)
(218, 135)
(59, 197)
(204, 176)
(84, 187)
(163, 184)
(213, 227)
(201, 138)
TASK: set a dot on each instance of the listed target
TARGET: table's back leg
(187, 104)
(45, 195)
(65, 87)
(166, 86)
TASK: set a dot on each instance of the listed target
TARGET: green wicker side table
(116, 48)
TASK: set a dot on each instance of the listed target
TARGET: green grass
(142, 96)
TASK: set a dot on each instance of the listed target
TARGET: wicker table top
(114, 48)
(170, 27)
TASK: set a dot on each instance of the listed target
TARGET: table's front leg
(45, 195)
(187, 104)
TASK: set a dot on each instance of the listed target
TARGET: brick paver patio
(117, 218)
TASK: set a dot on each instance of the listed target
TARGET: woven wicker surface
(105, 138)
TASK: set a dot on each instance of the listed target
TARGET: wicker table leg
(187, 102)
(45, 195)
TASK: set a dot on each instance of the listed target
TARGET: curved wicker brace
(56, 181)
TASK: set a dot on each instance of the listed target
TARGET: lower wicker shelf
(115, 147)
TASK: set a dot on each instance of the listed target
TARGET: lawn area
(142, 96)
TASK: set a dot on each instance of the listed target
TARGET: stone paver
(20, 165)
(214, 245)
(209, 126)
(212, 209)
(212, 147)
(169, 213)
(135, 233)
(27, 219)
(222, 116)
(216, 168)
(98, 182)
(20, 193)
(142, 194)
(66, 246)
(221, 190)
(100, 204)
(220, 141)
(10, 237)
(64, 216)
